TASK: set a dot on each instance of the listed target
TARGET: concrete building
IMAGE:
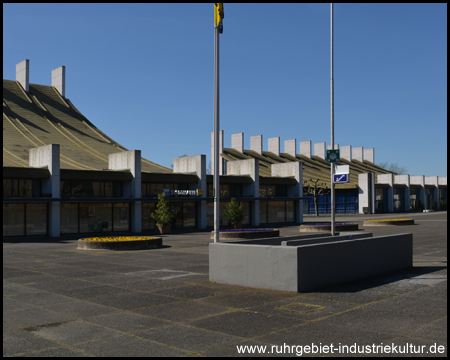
(63, 175)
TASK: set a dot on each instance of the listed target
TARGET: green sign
(333, 156)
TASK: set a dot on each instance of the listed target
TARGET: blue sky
(143, 74)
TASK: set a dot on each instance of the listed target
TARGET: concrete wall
(358, 153)
(274, 145)
(363, 192)
(369, 155)
(48, 156)
(195, 165)
(130, 160)
(59, 80)
(256, 144)
(346, 152)
(237, 142)
(294, 169)
(388, 179)
(319, 150)
(305, 148)
(23, 74)
(307, 267)
(290, 147)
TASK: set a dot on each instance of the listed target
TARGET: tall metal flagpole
(333, 230)
(216, 125)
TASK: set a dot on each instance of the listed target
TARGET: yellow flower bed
(390, 220)
(119, 238)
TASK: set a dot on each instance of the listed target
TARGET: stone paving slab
(58, 301)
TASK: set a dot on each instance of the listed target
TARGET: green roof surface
(42, 117)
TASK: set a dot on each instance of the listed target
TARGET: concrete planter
(306, 262)
(242, 234)
(387, 222)
(138, 244)
(327, 227)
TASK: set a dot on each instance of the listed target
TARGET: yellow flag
(218, 16)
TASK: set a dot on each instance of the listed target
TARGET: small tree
(234, 213)
(315, 189)
(162, 215)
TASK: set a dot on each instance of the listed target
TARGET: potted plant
(234, 214)
(162, 215)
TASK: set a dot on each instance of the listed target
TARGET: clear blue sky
(143, 74)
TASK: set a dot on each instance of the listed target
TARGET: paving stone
(128, 346)
(127, 322)
(21, 341)
(190, 292)
(34, 317)
(133, 300)
(188, 338)
(82, 309)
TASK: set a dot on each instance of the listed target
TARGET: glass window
(13, 219)
(179, 208)
(210, 190)
(236, 190)
(263, 191)
(225, 190)
(69, 218)
(10, 187)
(36, 219)
(276, 211)
(143, 189)
(263, 212)
(155, 190)
(246, 209)
(281, 190)
(147, 221)
(64, 188)
(25, 188)
(189, 214)
(121, 217)
(95, 217)
(290, 211)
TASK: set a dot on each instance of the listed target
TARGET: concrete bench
(310, 262)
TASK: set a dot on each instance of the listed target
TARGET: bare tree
(394, 167)
(315, 189)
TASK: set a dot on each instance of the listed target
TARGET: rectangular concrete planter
(304, 263)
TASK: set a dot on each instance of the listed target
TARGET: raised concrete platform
(142, 244)
(304, 263)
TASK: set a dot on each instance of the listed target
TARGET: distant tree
(394, 167)
(315, 189)
(208, 168)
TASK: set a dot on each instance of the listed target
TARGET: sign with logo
(196, 192)
(333, 156)
(341, 178)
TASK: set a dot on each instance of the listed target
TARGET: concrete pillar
(274, 145)
(363, 192)
(319, 150)
(358, 154)
(59, 80)
(305, 148)
(248, 167)
(346, 152)
(433, 180)
(23, 74)
(294, 169)
(130, 160)
(256, 144)
(404, 179)
(369, 155)
(387, 179)
(290, 147)
(49, 156)
(419, 180)
(237, 142)
(220, 151)
(195, 164)
(336, 147)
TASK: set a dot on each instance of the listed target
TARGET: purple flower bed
(246, 230)
(321, 224)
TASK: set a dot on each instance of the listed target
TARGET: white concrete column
(274, 145)
(294, 169)
(388, 179)
(404, 179)
(369, 155)
(237, 142)
(305, 148)
(59, 80)
(290, 147)
(220, 152)
(358, 154)
(23, 74)
(256, 144)
(49, 156)
(336, 147)
(195, 165)
(130, 160)
(319, 150)
(363, 192)
(248, 167)
(346, 152)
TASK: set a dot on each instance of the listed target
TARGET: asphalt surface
(60, 301)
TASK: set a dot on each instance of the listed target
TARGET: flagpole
(333, 230)
(216, 135)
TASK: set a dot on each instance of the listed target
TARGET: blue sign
(340, 178)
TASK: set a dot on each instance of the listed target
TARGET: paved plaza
(61, 301)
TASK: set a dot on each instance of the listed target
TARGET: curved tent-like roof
(42, 116)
